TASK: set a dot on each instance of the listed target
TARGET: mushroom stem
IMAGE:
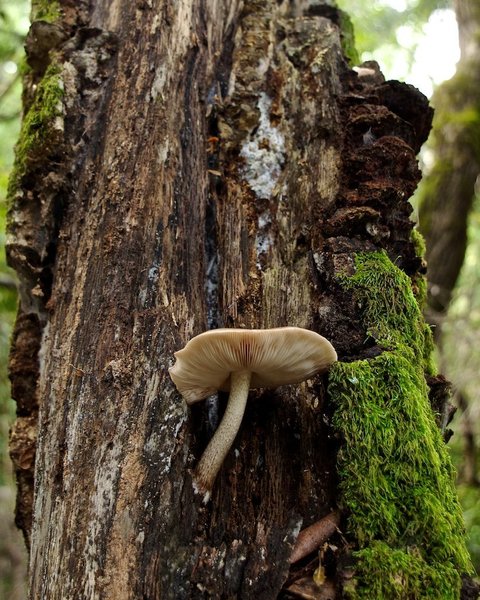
(226, 432)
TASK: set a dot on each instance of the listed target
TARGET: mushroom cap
(274, 357)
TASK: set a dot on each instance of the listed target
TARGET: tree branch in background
(469, 466)
(7, 282)
(9, 86)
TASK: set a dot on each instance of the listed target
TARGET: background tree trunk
(448, 190)
(184, 166)
(447, 195)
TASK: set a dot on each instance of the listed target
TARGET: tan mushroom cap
(274, 357)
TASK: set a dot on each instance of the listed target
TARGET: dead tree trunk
(183, 166)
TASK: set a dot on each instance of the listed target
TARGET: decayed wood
(218, 174)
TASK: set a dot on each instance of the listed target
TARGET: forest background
(413, 40)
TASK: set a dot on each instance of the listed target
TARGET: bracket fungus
(236, 360)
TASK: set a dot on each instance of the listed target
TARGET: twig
(312, 537)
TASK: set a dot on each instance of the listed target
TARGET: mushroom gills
(235, 360)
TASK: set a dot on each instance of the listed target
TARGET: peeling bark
(220, 164)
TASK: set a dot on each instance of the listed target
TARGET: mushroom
(236, 360)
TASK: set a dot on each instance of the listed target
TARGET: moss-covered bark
(396, 478)
(35, 191)
(42, 127)
(45, 10)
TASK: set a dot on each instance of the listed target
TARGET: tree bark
(218, 165)
(448, 190)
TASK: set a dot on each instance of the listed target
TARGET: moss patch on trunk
(347, 38)
(45, 10)
(42, 127)
(397, 480)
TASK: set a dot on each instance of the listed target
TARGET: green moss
(45, 10)
(39, 130)
(348, 38)
(23, 67)
(390, 311)
(418, 242)
(396, 477)
(419, 282)
(393, 574)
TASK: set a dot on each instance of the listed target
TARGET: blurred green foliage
(403, 37)
(378, 22)
(461, 356)
(13, 27)
(14, 21)
(470, 500)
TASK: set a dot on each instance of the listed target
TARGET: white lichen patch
(211, 290)
(263, 66)
(198, 491)
(159, 82)
(163, 151)
(295, 531)
(153, 272)
(165, 436)
(101, 506)
(263, 153)
(176, 47)
(140, 537)
(264, 238)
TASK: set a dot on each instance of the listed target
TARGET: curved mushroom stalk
(224, 436)
(253, 358)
